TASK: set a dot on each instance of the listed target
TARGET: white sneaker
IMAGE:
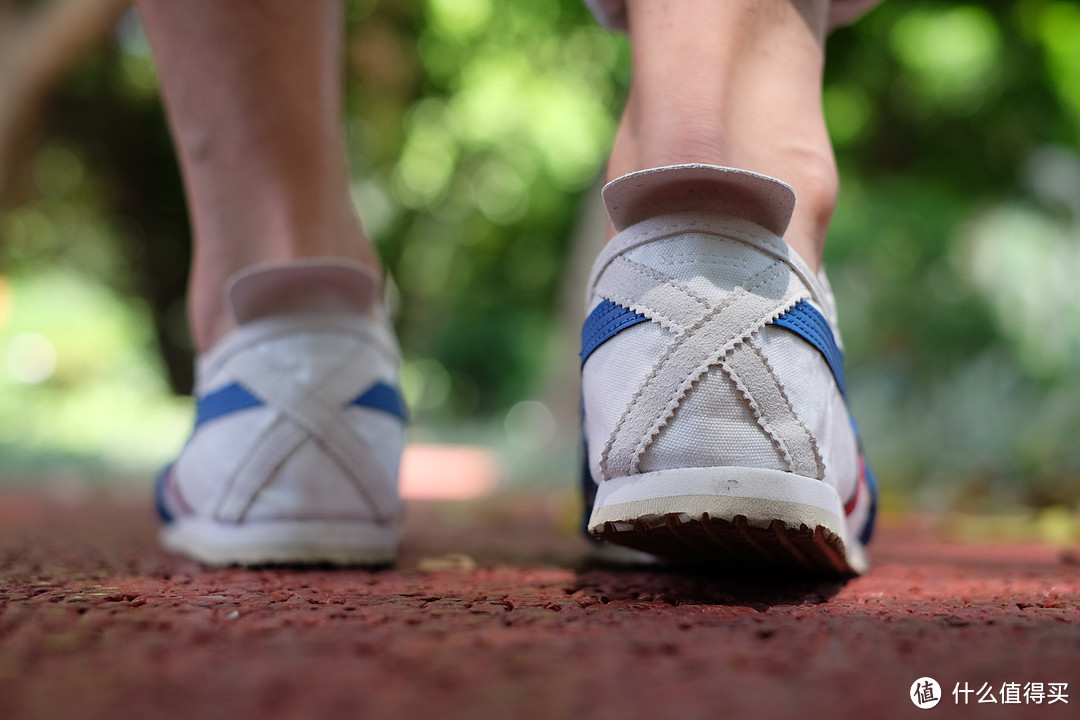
(299, 427)
(715, 420)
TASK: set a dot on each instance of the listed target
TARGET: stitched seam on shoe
(334, 437)
(264, 456)
(296, 401)
(692, 226)
(662, 421)
(692, 379)
(664, 320)
(755, 283)
(710, 262)
(648, 378)
(615, 321)
(770, 432)
(657, 366)
(767, 252)
(835, 363)
(661, 278)
(787, 401)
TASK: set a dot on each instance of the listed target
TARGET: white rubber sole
(285, 542)
(747, 517)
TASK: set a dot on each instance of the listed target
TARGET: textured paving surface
(96, 622)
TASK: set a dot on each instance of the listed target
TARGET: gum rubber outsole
(734, 544)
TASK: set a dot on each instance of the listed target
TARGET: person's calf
(734, 84)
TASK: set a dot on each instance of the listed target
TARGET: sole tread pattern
(732, 544)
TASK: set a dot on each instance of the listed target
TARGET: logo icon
(925, 693)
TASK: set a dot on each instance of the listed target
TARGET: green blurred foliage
(954, 250)
(476, 126)
(477, 129)
(81, 384)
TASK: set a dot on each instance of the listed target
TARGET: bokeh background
(478, 135)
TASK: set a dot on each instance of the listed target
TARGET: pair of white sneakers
(715, 420)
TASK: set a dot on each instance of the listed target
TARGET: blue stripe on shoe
(385, 397)
(872, 486)
(804, 320)
(235, 397)
(160, 504)
(229, 399)
(605, 321)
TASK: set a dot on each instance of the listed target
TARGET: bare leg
(735, 83)
(253, 92)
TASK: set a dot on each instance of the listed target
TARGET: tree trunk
(38, 47)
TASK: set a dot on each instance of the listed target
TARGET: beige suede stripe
(316, 412)
(658, 297)
(273, 447)
(688, 357)
(755, 380)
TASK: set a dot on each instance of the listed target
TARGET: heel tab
(297, 286)
(638, 196)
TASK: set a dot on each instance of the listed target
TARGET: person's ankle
(815, 182)
(209, 316)
(817, 186)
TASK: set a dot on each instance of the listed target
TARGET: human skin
(253, 93)
(734, 83)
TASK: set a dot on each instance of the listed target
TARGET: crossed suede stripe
(748, 368)
(273, 447)
(693, 350)
(662, 299)
(304, 412)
